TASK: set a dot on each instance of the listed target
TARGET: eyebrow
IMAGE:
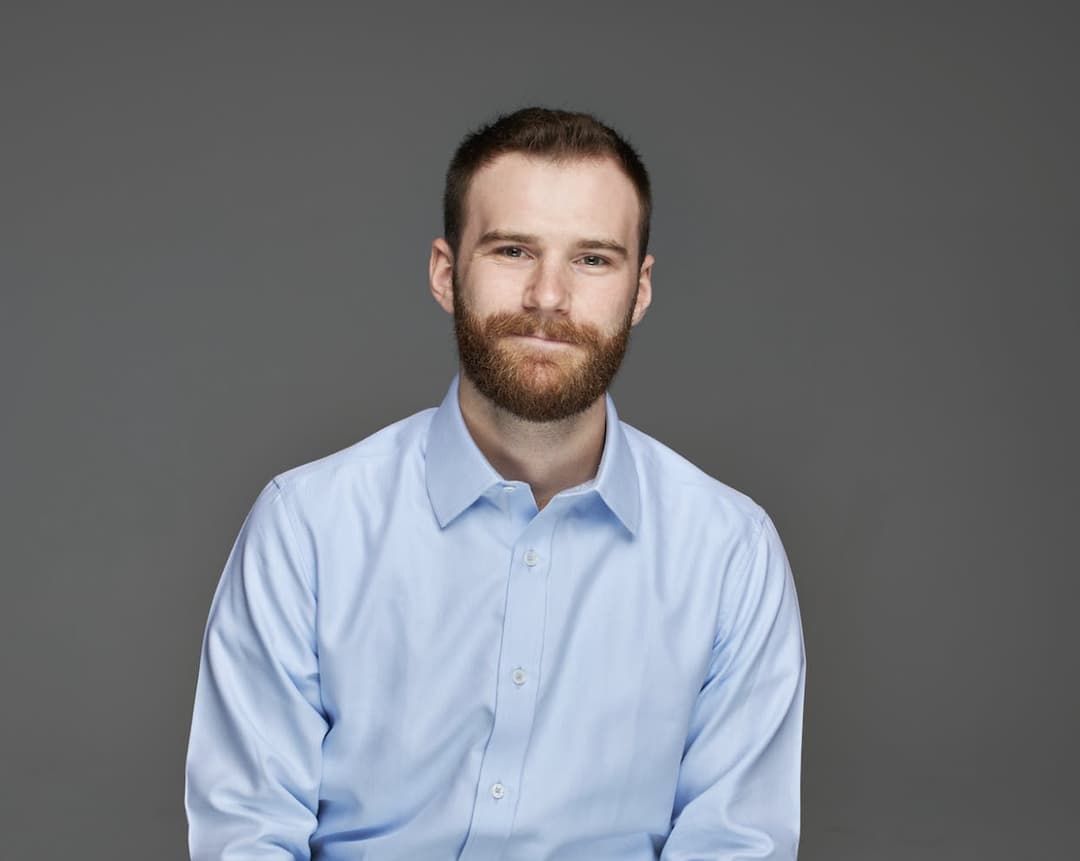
(529, 239)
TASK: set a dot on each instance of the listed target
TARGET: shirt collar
(457, 473)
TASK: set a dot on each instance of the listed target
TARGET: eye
(514, 252)
(594, 260)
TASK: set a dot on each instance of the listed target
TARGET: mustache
(555, 330)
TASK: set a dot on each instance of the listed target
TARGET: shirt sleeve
(254, 754)
(738, 790)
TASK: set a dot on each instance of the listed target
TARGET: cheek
(494, 293)
(482, 305)
(608, 313)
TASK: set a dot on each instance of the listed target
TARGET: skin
(529, 264)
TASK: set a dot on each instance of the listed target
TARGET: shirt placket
(522, 639)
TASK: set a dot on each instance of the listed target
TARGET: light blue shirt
(405, 659)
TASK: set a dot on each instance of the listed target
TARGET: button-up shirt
(406, 659)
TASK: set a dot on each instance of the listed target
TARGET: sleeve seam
(754, 546)
(310, 574)
(294, 533)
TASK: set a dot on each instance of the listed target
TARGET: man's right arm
(254, 755)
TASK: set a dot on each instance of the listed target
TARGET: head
(546, 224)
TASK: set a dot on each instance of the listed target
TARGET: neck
(548, 456)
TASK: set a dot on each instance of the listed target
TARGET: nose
(548, 289)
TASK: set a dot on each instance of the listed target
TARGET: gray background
(215, 230)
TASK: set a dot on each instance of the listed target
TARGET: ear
(441, 274)
(644, 294)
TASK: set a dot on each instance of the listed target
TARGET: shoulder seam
(753, 545)
(294, 535)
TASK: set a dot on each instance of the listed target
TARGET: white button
(519, 676)
(498, 790)
(531, 557)
(508, 487)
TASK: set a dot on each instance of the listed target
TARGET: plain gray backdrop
(216, 222)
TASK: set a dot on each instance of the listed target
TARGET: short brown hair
(546, 132)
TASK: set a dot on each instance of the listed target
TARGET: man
(512, 627)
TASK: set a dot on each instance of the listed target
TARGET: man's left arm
(737, 795)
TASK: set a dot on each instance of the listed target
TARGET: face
(545, 287)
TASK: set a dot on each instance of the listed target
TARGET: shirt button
(508, 488)
(531, 557)
(519, 676)
(498, 790)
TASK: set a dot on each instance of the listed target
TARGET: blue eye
(512, 251)
(593, 260)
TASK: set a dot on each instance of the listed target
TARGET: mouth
(542, 340)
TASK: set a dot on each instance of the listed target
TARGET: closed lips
(544, 338)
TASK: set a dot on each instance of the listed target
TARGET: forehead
(554, 199)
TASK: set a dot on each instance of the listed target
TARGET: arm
(254, 755)
(737, 795)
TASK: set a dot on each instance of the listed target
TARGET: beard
(530, 381)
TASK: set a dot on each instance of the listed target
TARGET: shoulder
(384, 453)
(677, 490)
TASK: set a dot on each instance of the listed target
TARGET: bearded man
(513, 626)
